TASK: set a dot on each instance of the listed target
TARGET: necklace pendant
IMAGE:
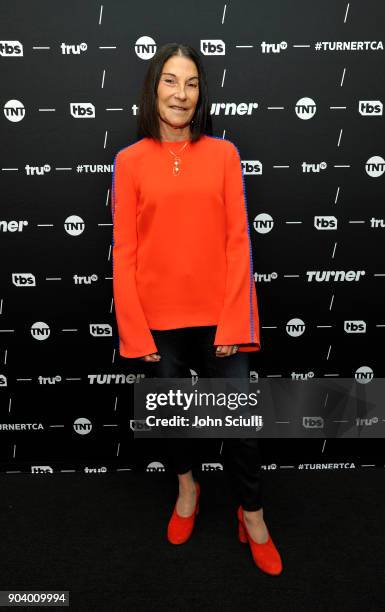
(175, 170)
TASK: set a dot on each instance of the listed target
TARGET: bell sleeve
(135, 338)
(239, 319)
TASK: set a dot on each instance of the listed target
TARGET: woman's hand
(151, 357)
(226, 349)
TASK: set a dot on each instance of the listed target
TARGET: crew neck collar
(174, 142)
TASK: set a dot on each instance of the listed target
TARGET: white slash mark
(109, 259)
(337, 107)
(105, 139)
(293, 222)
(63, 168)
(334, 250)
(301, 46)
(220, 450)
(100, 14)
(104, 74)
(108, 197)
(8, 169)
(281, 166)
(346, 12)
(114, 109)
(223, 78)
(331, 302)
(323, 446)
(337, 193)
(275, 108)
(339, 138)
(224, 13)
(118, 449)
(244, 46)
(342, 78)
(46, 110)
(351, 221)
(112, 47)
(341, 166)
(1, 306)
(328, 355)
(40, 48)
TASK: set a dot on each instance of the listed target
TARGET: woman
(183, 273)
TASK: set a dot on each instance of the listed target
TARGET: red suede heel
(180, 528)
(265, 555)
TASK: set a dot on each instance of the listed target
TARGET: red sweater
(181, 245)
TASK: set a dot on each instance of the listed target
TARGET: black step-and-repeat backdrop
(298, 87)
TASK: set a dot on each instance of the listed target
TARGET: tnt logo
(263, 223)
(74, 225)
(295, 327)
(375, 166)
(313, 422)
(355, 327)
(252, 166)
(82, 426)
(11, 48)
(305, 108)
(155, 466)
(370, 108)
(14, 111)
(364, 375)
(145, 47)
(324, 222)
(40, 331)
(213, 47)
(100, 330)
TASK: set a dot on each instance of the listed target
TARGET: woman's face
(178, 86)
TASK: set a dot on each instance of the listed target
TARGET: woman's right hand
(151, 357)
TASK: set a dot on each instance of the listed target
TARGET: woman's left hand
(226, 349)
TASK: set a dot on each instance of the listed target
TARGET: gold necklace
(177, 160)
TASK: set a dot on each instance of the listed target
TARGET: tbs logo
(82, 110)
(355, 327)
(313, 422)
(324, 222)
(213, 47)
(370, 108)
(11, 48)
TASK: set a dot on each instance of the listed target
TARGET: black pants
(193, 347)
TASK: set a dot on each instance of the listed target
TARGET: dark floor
(103, 538)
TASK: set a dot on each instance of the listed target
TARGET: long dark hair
(148, 119)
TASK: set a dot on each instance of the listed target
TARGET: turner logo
(370, 108)
(295, 327)
(338, 276)
(252, 166)
(355, 327)
(11, 48)
(82, 426)
(155, 466)
(74, 225)
(213, 47)
(305, 108)
(12, 226)
(73, 49)
(273, 47)
(40, 331)
(232, 108)
(41, 469)
(375, 166)
(313, 422)
(23, 279)
(145, 47)
(324, 222)
(212, 467)
(364, 375)
(308, 168)
(263, 223)
(100, 330)
(82, 110)
(14, 110)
